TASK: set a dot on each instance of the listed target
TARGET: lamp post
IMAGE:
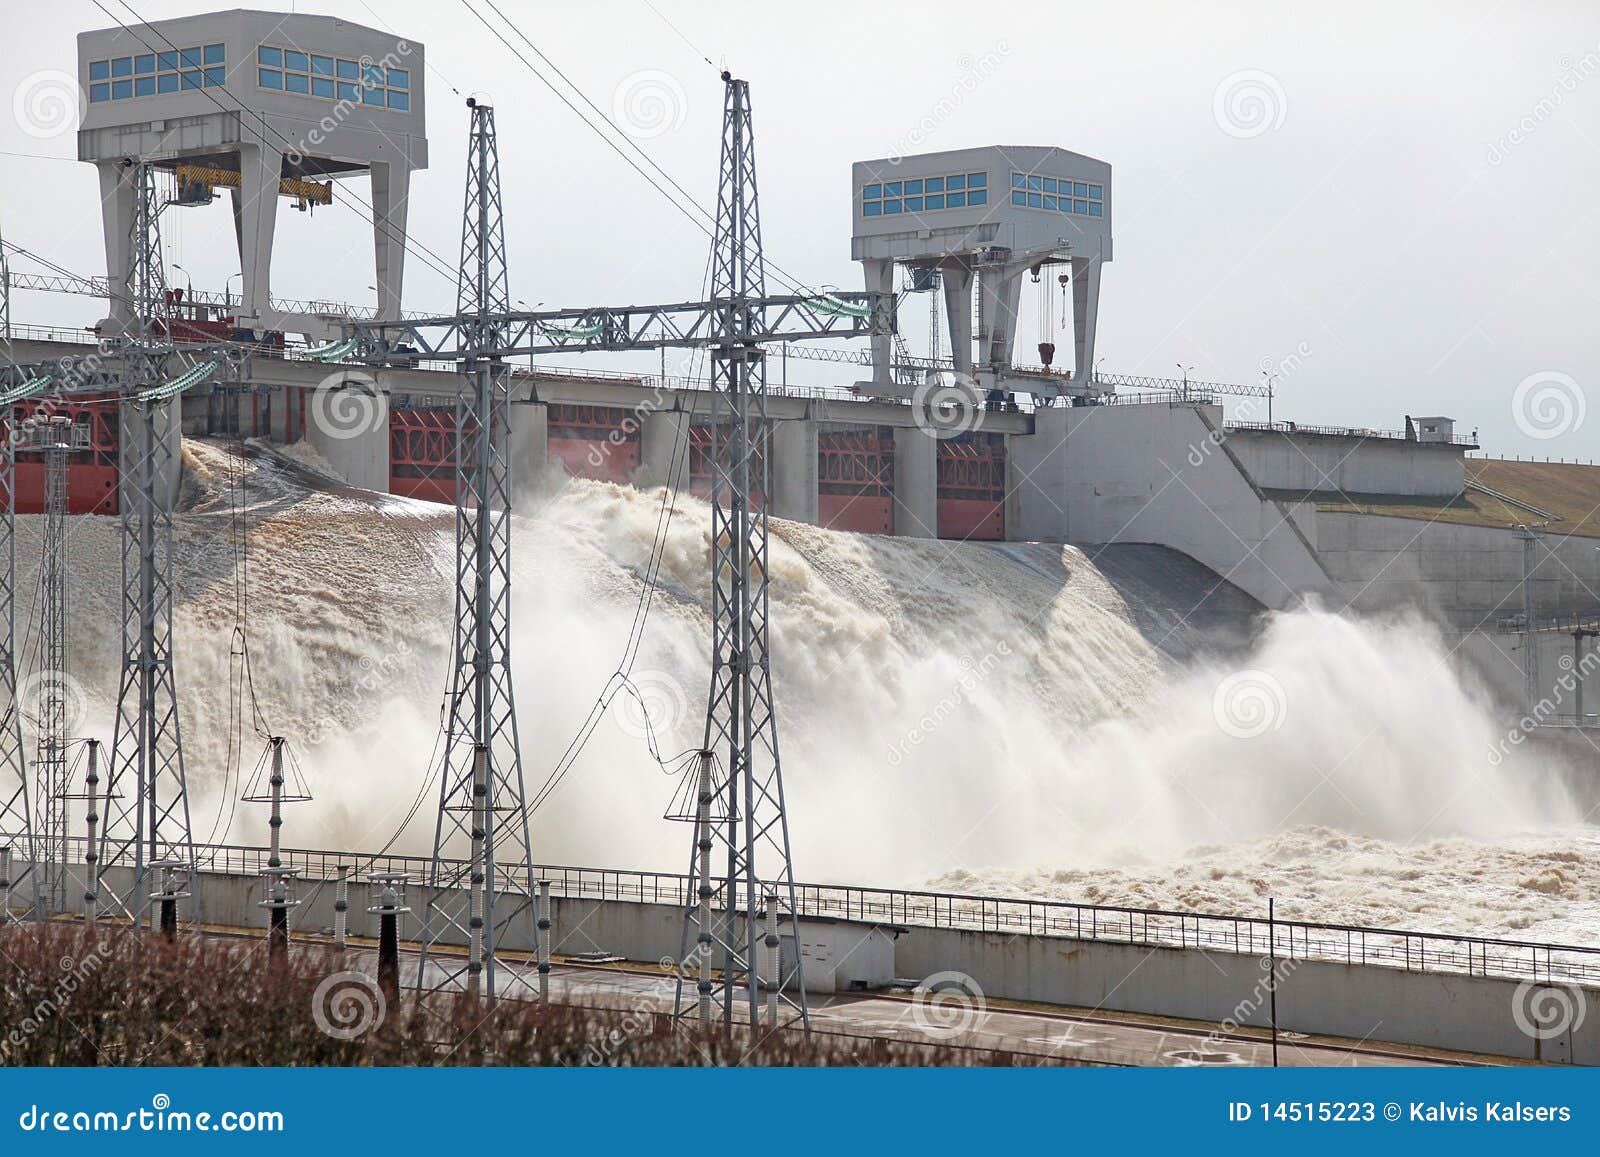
(1185, 371)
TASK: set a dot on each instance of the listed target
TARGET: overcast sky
(1405, 195)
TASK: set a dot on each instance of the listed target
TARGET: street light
(1270, 378)
(227, 299)
(1185, 371)
(187, 278)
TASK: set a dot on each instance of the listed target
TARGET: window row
(1056, 194)
(157, 73)
(291, 70)
(923, 194)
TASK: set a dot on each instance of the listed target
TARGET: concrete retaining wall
(1280, 460)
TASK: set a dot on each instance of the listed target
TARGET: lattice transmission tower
(482, 808)
(148, 830)
(740, 808)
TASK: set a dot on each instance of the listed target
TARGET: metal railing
(1147, 927)
(1352, 432)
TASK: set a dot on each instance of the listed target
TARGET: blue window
(272, 56)
(934, 201)
(1049, 184)
(1079, 189)
(122, 66)
(100, 70)
(871, 192)
(99, 92)
(167, 60)
(214, 54)
(216, 76)
(955, 200)
(1094, 191)
(296, 82)
(144, 86)
(371, 74)
(295, 60)
(270, 79)
(977, 197)
(372, 96)
(956, 182)
(348, 91)
(1018, 181)
(914, 204)
(1049, 201)
(1018, 197)
(399, 78)
(891, 206)
(399, 100)
(913, 187)
(322, 86)
(872, 209)
(167, 82)
(1035, 200)
(347, 70)
(322, 65)
(1080, 206)
(191, 79)
(146, 63)
(190, 57)
(977, 180)
(934, 185)
(891, 189)
(121, 89)
(1094, 208)
(1035, 184)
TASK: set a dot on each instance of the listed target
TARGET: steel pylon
(148, 829)
(740, 804)
(482, 809)
(16, 813)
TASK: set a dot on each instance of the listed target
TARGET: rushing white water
(987, 717)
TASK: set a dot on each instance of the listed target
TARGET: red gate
(91, 466)
(972, 487)
(598, 442)
(855, 479)
(422, 454)
(700, 464)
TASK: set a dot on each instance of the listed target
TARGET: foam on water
(986, 717)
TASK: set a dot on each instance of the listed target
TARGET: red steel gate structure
(422, 453)
(91, 465)
(597, 442)
(972, 487)
(855, 479)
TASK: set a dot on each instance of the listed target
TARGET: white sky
(1387, 222)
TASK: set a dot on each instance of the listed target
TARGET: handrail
(1152, 927)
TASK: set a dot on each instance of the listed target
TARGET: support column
(916, 483)
(794, 471)
(880, 279)
(255, 218)
(529, 448)
(391, 185)
(169, 466)
(347, 422)
(664, 450)
(1085, 311)
(1001, 287)
(958, 315)
(116, 214)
